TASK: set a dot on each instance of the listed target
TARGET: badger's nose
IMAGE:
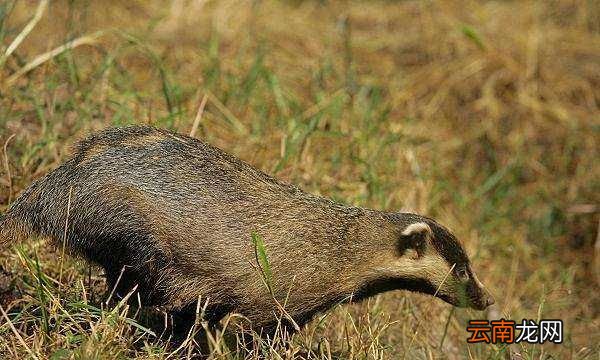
(489, 301)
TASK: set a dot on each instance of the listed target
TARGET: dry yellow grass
(481, 114)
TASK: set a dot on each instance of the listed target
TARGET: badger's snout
(483, 301)
(478, 296)
(470, 293)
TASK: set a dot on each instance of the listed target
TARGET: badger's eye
(462, 273)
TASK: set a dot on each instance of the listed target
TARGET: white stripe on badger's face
(430, 267)
(476, 279)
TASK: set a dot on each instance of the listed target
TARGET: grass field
(484, 115)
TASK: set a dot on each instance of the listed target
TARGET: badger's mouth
(477, 303)
(469, 295)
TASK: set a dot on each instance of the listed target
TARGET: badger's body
(177, 215)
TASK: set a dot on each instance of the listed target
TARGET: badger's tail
(28, 215)
(16, 223)
(12, 230)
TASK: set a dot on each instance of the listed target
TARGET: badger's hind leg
(142, 279)
(120, 283)
(130, 258)
(192, 315)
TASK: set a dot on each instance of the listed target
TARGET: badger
(175, 217)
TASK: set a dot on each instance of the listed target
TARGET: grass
(483, 115)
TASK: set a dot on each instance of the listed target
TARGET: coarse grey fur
(177, 214)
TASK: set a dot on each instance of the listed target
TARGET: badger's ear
(415, 237)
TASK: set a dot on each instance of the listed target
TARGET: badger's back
(153, 171)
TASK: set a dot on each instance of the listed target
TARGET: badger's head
(427, 258)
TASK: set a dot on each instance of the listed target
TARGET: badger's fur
(178, 214)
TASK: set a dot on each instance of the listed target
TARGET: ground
(483, 115)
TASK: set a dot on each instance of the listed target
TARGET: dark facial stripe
(447, 245)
